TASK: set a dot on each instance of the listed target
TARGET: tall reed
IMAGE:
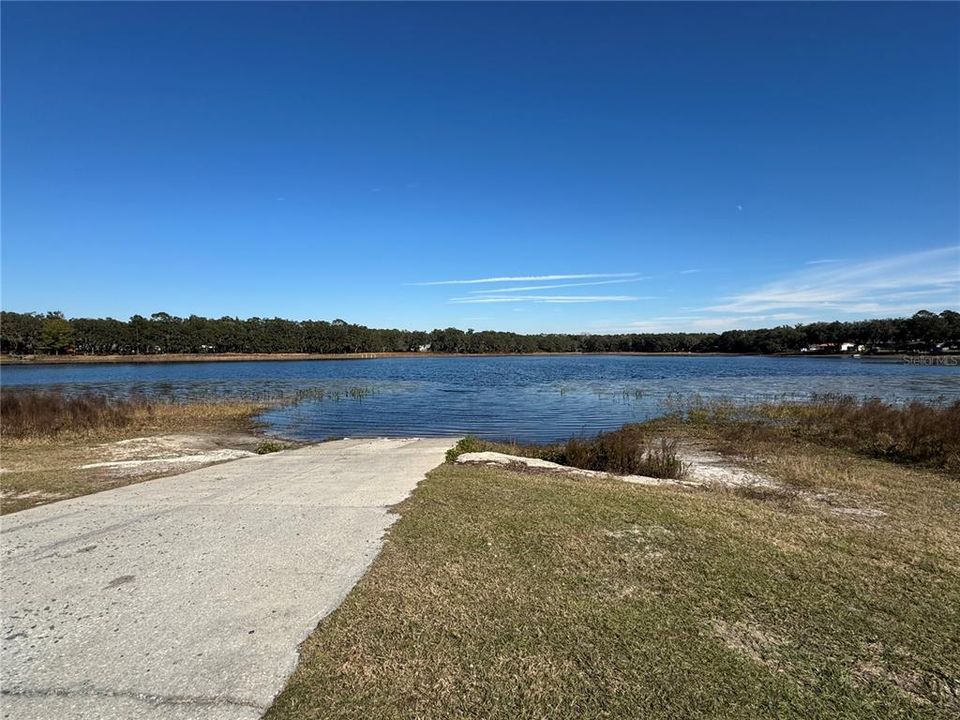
(33, 413)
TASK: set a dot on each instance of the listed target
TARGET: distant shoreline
(289, 357)
(7, 360)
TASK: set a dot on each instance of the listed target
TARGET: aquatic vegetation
(602, 392)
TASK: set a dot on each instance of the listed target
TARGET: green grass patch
(503, 594)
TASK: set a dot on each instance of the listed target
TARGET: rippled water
(524, 398)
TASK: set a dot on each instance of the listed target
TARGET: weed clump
(627, 451)
(270, 446)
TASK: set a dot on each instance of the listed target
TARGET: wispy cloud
(893, 286)
(525, 278)
(820, 289)
(701, 323)
(861, 287)
(527, 288)
(557, 299)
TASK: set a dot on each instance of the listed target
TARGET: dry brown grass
(30, 413)
(914, 434)
(505, 594)
(631, 450)
(27, 415)
(45, 441)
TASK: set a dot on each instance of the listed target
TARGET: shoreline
(169, 358)
(6, 360)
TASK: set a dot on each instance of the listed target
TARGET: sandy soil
(36, 474)
(173, 453)
(703, 468)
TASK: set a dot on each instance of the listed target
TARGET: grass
(28, 415)
(46, 437)
(631, 450)
(503, 594)
(915, 433)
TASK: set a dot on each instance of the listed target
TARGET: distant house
(424, 348)
(820, 348)
(849, 347)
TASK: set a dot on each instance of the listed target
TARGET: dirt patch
(858, 511)
(52, 469)
(170, 453)
(701, 468)
(174, 445)
(30, 495)
(923, 686)
(641, 543)
(706, 467)
(752, 642)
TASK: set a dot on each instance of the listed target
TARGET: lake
(526, 398)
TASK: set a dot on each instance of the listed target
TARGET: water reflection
(522, 398)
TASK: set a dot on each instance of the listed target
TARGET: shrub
(468, 444)
(270, 446)
(627, 451)
(915, 433)
(918, 432)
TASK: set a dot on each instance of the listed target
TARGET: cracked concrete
(187, 596)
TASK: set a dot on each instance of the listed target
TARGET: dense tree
(20, 332)
(26, 333)
(56, 334)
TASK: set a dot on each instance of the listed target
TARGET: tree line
(35, 333)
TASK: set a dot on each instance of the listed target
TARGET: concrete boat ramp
(187, 596)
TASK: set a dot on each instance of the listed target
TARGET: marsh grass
(27, 415)
(46, 438)
(631, 450)
(324, 394)
(925, 434)
(628, 451)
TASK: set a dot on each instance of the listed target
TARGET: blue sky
(535, 167)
